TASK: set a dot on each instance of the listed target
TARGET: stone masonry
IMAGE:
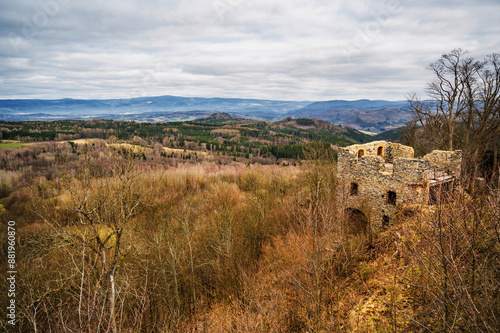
(381, 177)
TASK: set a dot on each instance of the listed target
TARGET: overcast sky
(269, 49)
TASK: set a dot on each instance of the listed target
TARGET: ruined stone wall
(410, 170)
(388, 150)
(347, 159)
(395, 151)
(450, 160)
(406, 179)
(387, 170)
(373, 197)
(369, 148)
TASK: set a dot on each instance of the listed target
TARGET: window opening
(379, 151)
(391, 198)
(385, 221)
(354, 189)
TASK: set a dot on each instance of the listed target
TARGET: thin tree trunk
(112, 301)
(495, 160)
(450, 135)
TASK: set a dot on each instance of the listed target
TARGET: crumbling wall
(388, 150)
(395, 151)
(369, 148)
(347, 159)
(449, 160)
(410, 170)
(379, 192)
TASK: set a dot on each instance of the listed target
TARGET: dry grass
(8, 181)
(243, 248)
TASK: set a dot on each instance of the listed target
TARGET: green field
(11, 144)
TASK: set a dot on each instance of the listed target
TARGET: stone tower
(380, 177)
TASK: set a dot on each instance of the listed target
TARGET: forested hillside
(220, 133)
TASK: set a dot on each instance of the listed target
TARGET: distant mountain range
(373, 116)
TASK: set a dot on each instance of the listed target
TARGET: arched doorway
(357, 222)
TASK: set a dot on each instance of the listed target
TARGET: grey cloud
(295, 49)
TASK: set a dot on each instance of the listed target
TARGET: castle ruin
(381, 177)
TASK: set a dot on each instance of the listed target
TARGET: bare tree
(448, 95)
(482, 119)
(463, 111)
(103, 201)
(453, 256)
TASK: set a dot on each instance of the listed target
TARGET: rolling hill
(373, 116)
